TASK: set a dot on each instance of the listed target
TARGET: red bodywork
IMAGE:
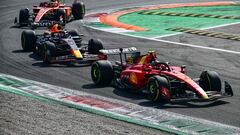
(50, 9)
(139, 73)
(145, 74)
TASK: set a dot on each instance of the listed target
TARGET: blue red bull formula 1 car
(49, 13)
(159, 80)
(61, 46)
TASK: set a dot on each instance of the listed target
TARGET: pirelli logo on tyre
(206, 33)
(188, 15)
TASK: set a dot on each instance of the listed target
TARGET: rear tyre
(102, 72)
(158, 89)
(94, 46)
(78, 10)
(49, 52)
(210, 81)
(28, 40)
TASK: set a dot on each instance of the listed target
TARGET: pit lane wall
(115, 109)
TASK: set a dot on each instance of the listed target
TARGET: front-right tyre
(210, 81)
(49, 52)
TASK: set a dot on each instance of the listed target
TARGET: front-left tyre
(28, 40)
(158, 89)
(24, 17)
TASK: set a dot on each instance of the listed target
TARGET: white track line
(129, 110)
(173, 43)
(219, 26)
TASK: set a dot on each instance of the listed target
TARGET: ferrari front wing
(212, 96)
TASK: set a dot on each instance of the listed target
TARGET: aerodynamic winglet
(228, 89)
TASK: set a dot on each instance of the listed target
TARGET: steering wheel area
(60, 34)
(52, 4)
(163, 66)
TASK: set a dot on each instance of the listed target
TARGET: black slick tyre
(24, 17)
(78, 10)
(49, 52)
(28, 40)
(61, 15)
(102, 73)
(157, 88)
(94, 45)
(210, 81)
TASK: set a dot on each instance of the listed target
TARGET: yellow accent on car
(205, 96)
(142, 60)
(77, 54)
(133, 78)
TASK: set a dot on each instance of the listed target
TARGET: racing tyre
(61, 14)
(78, 10)
(210, 81)
(94, 46)
(102, 72)
(158, 89)
(24, 17)
(28, 40)
(49, 52)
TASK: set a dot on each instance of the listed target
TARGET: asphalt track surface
(16, 62)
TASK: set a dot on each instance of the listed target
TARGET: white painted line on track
(219, 26)
(133, 113)
(117, 30)
(173, 43)
(166, 41)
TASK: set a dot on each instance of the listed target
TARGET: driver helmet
(132, 59)
(46, 33)
(152, 55)
(57, 1)
(56, 28)
(53, 3)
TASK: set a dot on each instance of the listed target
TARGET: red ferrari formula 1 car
(160, 81)
(48, 13)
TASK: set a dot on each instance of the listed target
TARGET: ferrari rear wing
(119, 51)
